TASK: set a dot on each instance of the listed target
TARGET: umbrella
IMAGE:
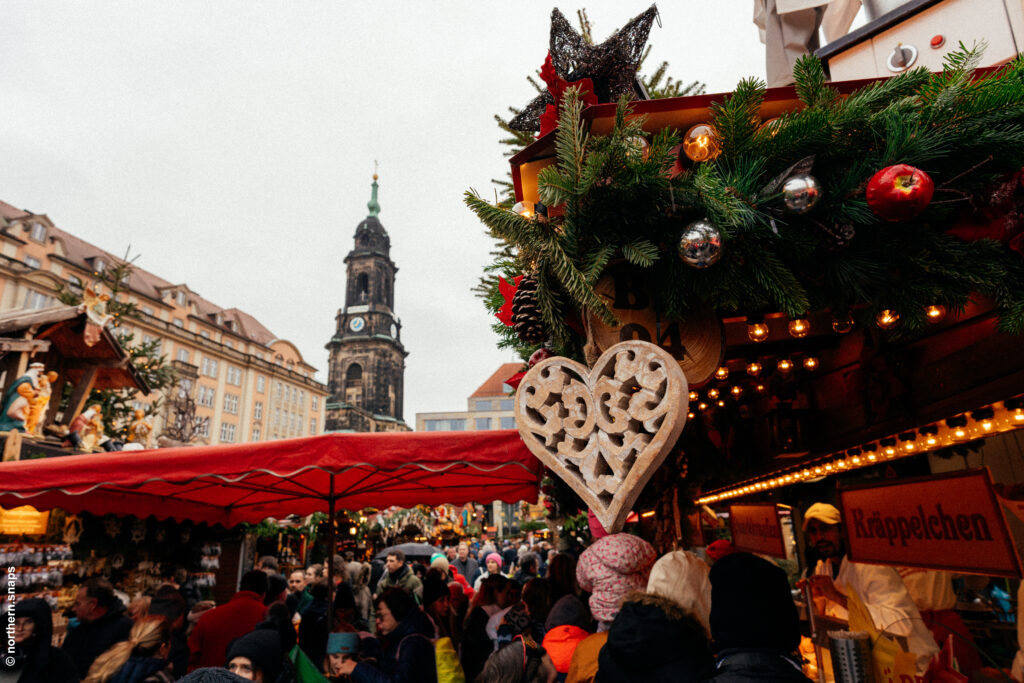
(409, 550)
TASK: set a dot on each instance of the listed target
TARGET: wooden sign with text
(950, 521)
(23, 520)
(757, 529)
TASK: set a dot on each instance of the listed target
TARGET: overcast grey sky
(231, 144)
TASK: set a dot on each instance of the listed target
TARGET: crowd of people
(490, 613)
(614, 612)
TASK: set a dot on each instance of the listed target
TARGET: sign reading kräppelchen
(947, 521)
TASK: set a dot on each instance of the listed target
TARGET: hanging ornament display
(526, 316)
(700, 144)
(800, 193)
(899, 192)
(700, 245)
(605, 455)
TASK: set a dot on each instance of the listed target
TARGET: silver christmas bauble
(800, 193)
(700, 245)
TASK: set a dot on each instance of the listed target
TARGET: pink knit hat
(493, 557)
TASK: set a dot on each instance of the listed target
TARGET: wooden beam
(8, 345)
(80, 395)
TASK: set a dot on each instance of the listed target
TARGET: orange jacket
(560, 643)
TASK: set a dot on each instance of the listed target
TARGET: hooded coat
(408, 655)
(654, 639)
(38, 660)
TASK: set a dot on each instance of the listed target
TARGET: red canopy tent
(248, 482)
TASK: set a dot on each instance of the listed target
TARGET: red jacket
(208, 644)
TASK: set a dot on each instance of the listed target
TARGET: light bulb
(721, 404)
(524, 209)
(784, 365)
(736, 390)
(887, 319)
(757, 331)
(799, 327)
(701, 143)
(694, 395)
(810, 363)
(760, 388)
(712, 393)
(722, 373)
(754, 368)
(691, 415)
(842, 323)
(702, 406)
(935, 313)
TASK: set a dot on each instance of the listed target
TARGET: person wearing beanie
(492, 565)
(437, 603)
(211, 674)
(408, 651)
(654, 639)
(880, 588)
(440, 562)
(256, 656)
(719, 549)
(613, 566)
(754, 622)
(568, 624)
(340, 648)
(683, 577)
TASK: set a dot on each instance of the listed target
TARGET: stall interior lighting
(999, 417)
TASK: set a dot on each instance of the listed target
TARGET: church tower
(367, 359)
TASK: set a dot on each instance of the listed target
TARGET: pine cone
(526, 317)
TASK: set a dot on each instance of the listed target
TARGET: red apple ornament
(899, 192)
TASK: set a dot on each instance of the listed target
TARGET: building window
(182, 355)
(278, 389)
(205, 396)
(257, 411)
(508, 423)
(481, 405)
(259, 355)
(209, 367)
(256, 433)
(312, 426)
(234, 376)
(147, 310)
(354, 385)
(203, 427)
(316, 403)
(227, 433)
(38, 232)
(178, 322)
(261, 383)
(180, 298)
(452, 425)
(204, 334)
(229, 344)
(76, 284)
(362, 288)
(231, 404)
(507, 404)
(36, 300)
(32, 262)
(98, 265)
(184, 386)
(482, 423)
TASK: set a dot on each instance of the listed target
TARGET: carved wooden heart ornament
(606, 430)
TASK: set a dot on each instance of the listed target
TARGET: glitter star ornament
(611, 66)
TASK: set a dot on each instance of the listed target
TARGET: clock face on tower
(394, 331)
(356, 324)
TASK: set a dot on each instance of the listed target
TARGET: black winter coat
(408, 655)
(90, 639)
(767, 666)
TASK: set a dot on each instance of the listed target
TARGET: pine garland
(966, 131)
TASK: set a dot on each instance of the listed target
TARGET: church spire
(373, 205)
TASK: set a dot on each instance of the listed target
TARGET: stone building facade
(367, 360)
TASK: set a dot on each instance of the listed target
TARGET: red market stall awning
(248, 482)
